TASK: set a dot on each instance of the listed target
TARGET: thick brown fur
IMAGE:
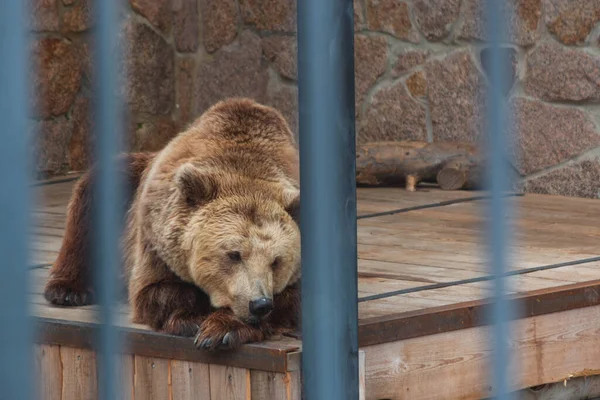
(212, 226)
(70, 280)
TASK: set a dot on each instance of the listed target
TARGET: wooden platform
(429, 341)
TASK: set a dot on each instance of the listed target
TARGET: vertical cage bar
(16, 334)
(499, 181)
(328, 199)
(107, 192)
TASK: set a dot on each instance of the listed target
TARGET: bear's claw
(221, 330)
(65, 295)
(227, 338)
(209, 343)
(205, 344)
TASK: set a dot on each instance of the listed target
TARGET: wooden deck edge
(471, 314)
(543, 349)
(260, 356)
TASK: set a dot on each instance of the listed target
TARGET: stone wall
(420, 74)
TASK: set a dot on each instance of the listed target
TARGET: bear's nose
(261, 307)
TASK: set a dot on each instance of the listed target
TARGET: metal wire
(477, 279)
(431, 205)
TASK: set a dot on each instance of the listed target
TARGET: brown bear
(211, 244)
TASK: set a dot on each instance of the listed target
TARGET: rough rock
(79, 17)
(571, 21)
(270, 15)
(219, 23)
(370, 62)
(556, 73)
(235, 70)
(185, 86)
(359, 15)
(51, 141)
(153, 135)
(547, 135)
(43, 15)
(435, 17)
(409, 59)
(87, 61)
(80, 146)
(417, 84)
(150, 64)
(285, 99)
(186, 25)
(282, 52)
(576, 180)
(55, 76)
(393, 115)
(456, 97)
(523, 20)
(158, 12)
(393, 17)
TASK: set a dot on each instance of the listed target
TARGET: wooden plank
(126, 376)
(79, 374)
(189, 380)
(229, 383)
(295, 385)
(390, 198)
(544, 349)
(57, 180)
(151, 378)
(49, 372)
(361, 375)
(585, 387)
(269, 386)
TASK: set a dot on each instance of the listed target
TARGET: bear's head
(242, 238)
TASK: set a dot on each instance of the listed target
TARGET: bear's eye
(234, 256)
(275, 263)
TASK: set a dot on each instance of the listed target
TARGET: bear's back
(236, 134)
(238, 137)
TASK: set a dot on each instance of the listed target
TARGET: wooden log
(411, 162)
(461, 173)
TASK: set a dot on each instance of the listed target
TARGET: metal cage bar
(16, 333)
(328, 199)
(498, 176)
(108, 191)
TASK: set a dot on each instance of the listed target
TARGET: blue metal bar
(499, 176)
(328, 199)
(108, 190)
(16, 335)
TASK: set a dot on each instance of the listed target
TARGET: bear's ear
(293, 205)
(195, 186)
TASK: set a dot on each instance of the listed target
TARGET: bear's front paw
(182, 325)
(223, 331)
(64, 293)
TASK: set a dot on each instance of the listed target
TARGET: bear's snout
(261, 307)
